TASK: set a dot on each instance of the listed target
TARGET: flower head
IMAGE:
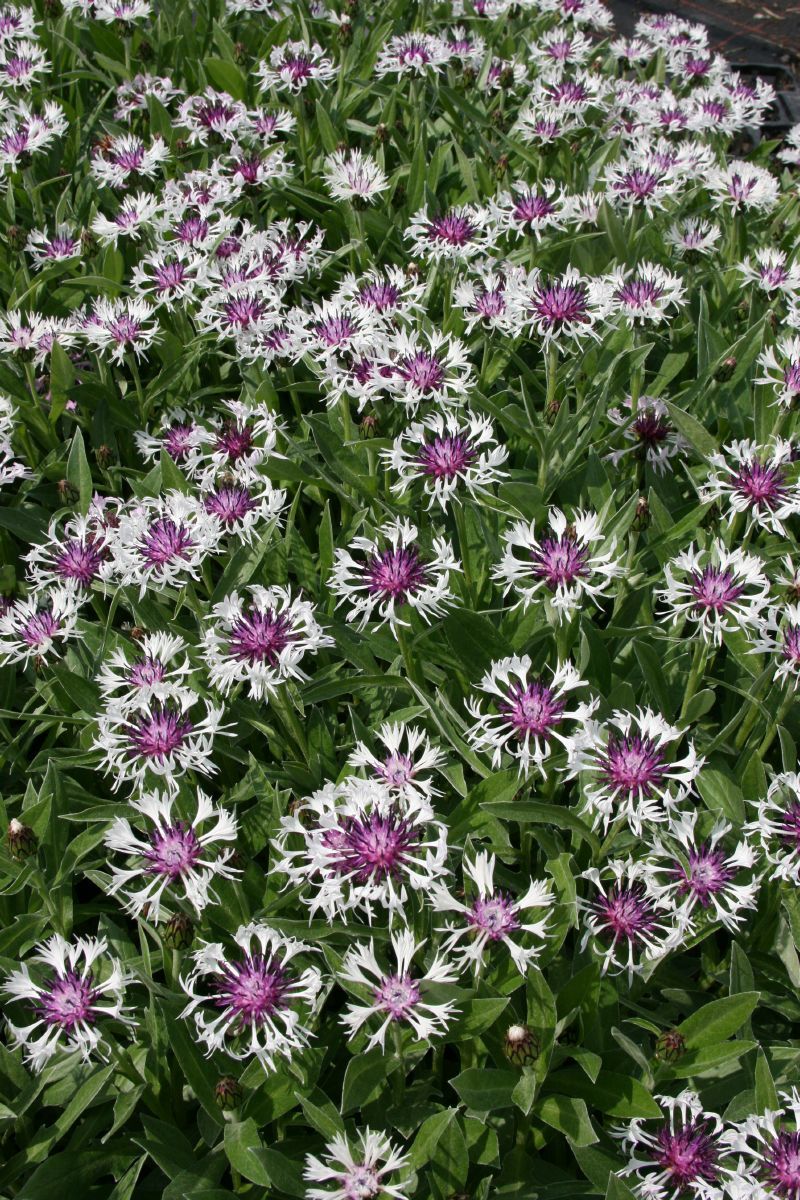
(717, 589)
(370, 1169)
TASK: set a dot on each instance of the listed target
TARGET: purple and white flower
(742, 186)
(684, 1156)
(156, 670)
(404, 764)
(651, 433)
(447, 453)
(717, 590)
(772, 272)
(778, 635)
(75, 987)
(412, 54)
(161, 541)
(38, 627)
(397, 997)
(353, 175)
(257, 1002)
(260, 639)
(693, 236)
(777, 827)
(767, 1146)
(781, 367)
(564, 563)
(627, 769)
(357, 846)
(644, 293)
(629, 923)
(172, 857)
(527, 712)
(456, 234)
(389, 571)
(373, 1167)
(294, 65)
(493, 915)
(755, 481)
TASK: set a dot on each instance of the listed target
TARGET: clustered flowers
(399, 605)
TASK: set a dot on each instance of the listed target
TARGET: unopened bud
(501, 166)
(104, 455)
(22, 841)
(521, 1045)
(381, 133)
(725, 369)
(670, 1045)
(228, 1093)
(178, 932)
(641, 518)
(67, 492)
(15, 236)
(369, 426)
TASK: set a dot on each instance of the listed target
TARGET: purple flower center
(633, 764)
(124, 330)
(68, 1000)
(413, 52)
(422, 370)
(129, 160)
(490, 303)
(773, 277)
(533, 207)
(178, 440)
(651, 428)
(791, 378)
(707, 874)
(639, 183)
(781, 1165)
(533, 710)
(253, 991)
(215, 116)
(378, 847)
(173, 851)
(687, 1155)
(560, 51)
(396, 770)
(397, 996)
(396, 573)
(639, 293)
(791, 643)
(40, 628)
(230, 504)
(446, 457)
(243, 311)
(360, 1183)
(169, 276)
(79, 561)
(299, 67)
(384, 297)
(157, 734)
(625, 912)
(258, 637)
(560, 561)
(714, 590)
(738, 188)
(166, 541)
(249, 168)
(493, 915)
(192, 230)
(234, 440)
(453, 228)
(60, 247)
(789, 831)
(568, 92)
(762, 485)
(146, 672)
(335, 331)
(561, 305)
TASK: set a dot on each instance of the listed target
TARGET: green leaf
(569, 1116)
(696, 434)
(613, 1094)
(450, 1162)
(718, 1020)
(227, 77)
(485, 1090)
(326, 131)
(79, 473)
(424, 1144)
(363, 1080)
(618, 1190)
(242, 1143)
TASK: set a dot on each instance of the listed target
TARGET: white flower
(355, 846)
(644, 292)
(117, 327)
(742, 185)
(135, 214)
(778, 635)
(558, 308)
(294, 65)
(157, 671)
(681, 1156)
(256, 1004)
(365, 1171)
(458, 233)
(772, 272)
(626, 774)
(777, 827)
(391, 572)
(412, 54)
(403, 768)
(159, 740)
(212, 114)
(567, 561)
(161, 541)
(38, 627)
(261, 640)
(73, 554)
(704, 876)
(629, 923)
(172, 854)
(529, 209)
(493, 916)
(693, 235)
(127, 155)
(528, 712)
(82, 985)
(447, 452)
(719, 590)
(765, 1145)
(756, 481)
(352, 174)
(399, 995)
(431, 367)
(782, 369)
(649, 429)
(43, 249)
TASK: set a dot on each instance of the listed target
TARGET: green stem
(695, 675)
(769, 736)
(461, 527)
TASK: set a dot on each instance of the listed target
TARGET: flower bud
(369, 426)
(521, 1046)
(670, 1045)
(178, 932)
(725, 369)
(15, 236)
(22, 841)
(228, 1093)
